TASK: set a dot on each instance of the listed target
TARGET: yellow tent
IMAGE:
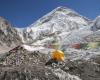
(58, 55)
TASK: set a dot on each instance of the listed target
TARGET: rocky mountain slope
(30, 65)
(9, 37)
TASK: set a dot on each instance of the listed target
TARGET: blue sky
(22, 13)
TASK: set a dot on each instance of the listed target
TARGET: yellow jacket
(58, 55)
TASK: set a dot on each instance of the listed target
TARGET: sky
(22, 13)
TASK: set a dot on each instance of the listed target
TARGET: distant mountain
(59, 20)
(96, 24)
(9, 37)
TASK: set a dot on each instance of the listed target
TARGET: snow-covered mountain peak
(63, 9)
(97, 20)
(61, 14)
(98, 16)
(96, 24)
(60, 20)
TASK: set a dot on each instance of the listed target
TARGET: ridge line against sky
(22, 13)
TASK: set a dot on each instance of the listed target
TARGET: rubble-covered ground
(25, 65)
